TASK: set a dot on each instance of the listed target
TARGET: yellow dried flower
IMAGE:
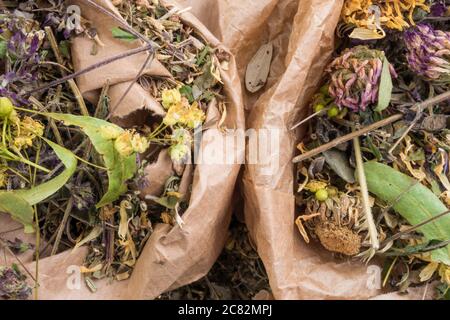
(26, 131)
(315, 185)
(394, 14)
(178, 152)
(31, 127)
(195, 116)
(140, 144)
(170, 97)
(444, 273)
(110, 132)
(183, 113)
(123, 144)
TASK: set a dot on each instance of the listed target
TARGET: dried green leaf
(120, 168)
(385, 90)
(412, 201)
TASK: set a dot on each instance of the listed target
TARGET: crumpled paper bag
(302, 33)
(172, 256)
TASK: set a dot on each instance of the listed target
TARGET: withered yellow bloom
(123, 144)
(170, 97)
(394, 14)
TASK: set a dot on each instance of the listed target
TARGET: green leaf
(19, 203)
(385, 90)
(120, 168)
(19, 209)
(119, 33)
(412, 201)
(45, 190)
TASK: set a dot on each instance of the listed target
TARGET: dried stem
(88, 69)
(419, 106)
(373, 233)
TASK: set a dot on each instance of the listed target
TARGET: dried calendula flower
(393, 14)
(429, 52)
(355, 77)
(170, 97)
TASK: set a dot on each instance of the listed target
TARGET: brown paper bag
(302, 32)
(172, 256)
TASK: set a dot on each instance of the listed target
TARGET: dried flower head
(185, 114)
(394, 14)
(123, 144)
(25, 132)
(139, 143)
(13, 285)
(428, 52)
(355, 77)
(170, 97)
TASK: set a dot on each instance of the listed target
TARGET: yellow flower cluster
(25, 132)
(394, 14)
(180, 111)
(128, 142)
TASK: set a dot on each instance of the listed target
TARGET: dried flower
(428, 52)
(170, 98)
(25, 132)
(123, 144)
(179, 152)
(184, 114)
(140, 144)
(110, 132)
(355, 77)
(13, 285)
(394, 14)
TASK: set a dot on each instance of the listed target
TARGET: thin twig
(87, 69)
(419, 106)
(413, 228)
(148, 60)
(347, 137)
(7, 248)
(62, 225)
(73, 86)
(119, 20)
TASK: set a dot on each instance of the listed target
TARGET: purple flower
(438, 9)
(355, 77)
(428, 52)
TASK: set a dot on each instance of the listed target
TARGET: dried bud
(429, 52)
(6, 107)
